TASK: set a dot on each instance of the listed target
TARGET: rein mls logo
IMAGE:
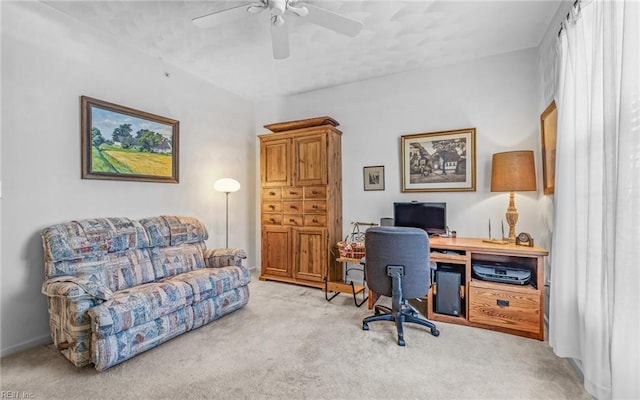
(10, 394)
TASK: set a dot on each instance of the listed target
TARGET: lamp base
(512, 219)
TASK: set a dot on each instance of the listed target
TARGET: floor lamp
(513, 171)
(227, 185)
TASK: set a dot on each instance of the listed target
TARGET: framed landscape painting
(120, 143)
(439, 161)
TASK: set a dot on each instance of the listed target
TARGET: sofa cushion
(139, 305)
(211, 282)
(174, 260)
(83, 238)
(171, 230)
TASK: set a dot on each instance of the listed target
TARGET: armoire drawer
(292, 220)
(272, 219)
(315, 206)
(517, 309)
(315, 192)
(271, 194)
(293, 206)
(271, 206)
(292, 193)
(315, 220)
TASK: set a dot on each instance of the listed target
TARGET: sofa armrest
(72, 287)
(216, 258)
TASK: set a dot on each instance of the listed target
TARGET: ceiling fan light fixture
(277, 20)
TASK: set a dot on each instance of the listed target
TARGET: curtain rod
(576, 4)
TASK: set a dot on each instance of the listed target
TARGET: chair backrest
(394, 245)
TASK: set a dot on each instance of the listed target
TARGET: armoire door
(276, 251)
(310, 249)
(275, 162)
(310, 160)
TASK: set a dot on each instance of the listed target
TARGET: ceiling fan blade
(220, 17)
(279, 38)
(331, 20)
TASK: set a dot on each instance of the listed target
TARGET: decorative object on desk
(548, 127)
(120, 143)
(513, 171)
(524, 239)
(374, 177)
(496, 241)
(226, 185)
(439, 162)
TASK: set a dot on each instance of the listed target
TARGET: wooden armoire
(301, 199)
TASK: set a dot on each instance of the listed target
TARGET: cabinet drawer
(315, 192)
(293, 206)
(271, 219)
(506, 309)
(271, 194)
(315, 206)
(271, 206)
(315, 220)
(292, 193)
(293, 220)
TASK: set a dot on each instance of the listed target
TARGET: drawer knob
(272, 193)
(314, 192)
(271, 206)
(294, 207)
(293, 192)
(502, 303)
(273, 221)
(315, 220)
(315, 206)
(292, 220)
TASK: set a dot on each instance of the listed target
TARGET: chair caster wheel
(435, 332)
(365, 327)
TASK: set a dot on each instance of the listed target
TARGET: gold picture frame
(548, 128)
(120, 143)
(439, 161)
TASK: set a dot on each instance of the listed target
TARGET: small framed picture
(374, 177)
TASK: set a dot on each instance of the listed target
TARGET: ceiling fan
(279, 29)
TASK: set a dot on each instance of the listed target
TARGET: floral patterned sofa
(117, 287)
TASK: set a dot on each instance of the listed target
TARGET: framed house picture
(439, 161)
(374, 178)
(120, 143)
(548, 127)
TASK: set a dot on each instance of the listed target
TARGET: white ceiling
(397, 36)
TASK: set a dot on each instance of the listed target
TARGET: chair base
(404, 314)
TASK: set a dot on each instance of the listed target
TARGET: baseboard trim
(25, 345)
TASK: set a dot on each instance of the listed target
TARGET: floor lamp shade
(226, 185)
(510, 172)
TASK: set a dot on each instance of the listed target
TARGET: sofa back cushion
(173, 260)
(121, 253)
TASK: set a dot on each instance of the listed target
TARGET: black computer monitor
(432, 217)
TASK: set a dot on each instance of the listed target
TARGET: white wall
(497, 95)
(48, 62)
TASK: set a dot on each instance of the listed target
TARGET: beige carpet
(289, 343)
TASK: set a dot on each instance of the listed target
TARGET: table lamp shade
(226, 185)
(513, 171)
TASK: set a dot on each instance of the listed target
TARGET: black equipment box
(447, 299)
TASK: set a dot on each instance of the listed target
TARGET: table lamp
(227, 185)
(510, 172)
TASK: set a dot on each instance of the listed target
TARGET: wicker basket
(353, 250)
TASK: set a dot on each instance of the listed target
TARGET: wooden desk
(509, 308)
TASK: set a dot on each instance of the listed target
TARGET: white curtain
(594, 313)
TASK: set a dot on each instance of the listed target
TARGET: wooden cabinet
(509, 308)
(301, 199)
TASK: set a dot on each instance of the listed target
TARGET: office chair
(397, 266)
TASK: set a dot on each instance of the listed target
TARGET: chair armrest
(72, 287)
(216, 258)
